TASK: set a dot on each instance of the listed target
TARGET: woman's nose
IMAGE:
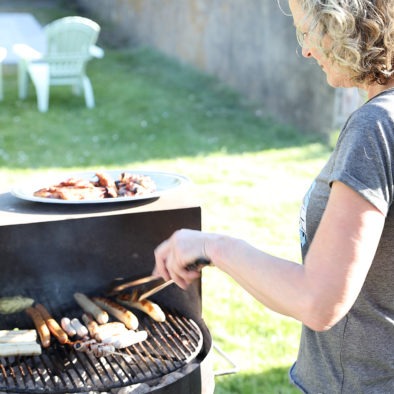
(306, 52)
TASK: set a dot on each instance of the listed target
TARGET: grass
(149, 109)
(250, 174)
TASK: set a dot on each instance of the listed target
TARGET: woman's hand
(176, 253)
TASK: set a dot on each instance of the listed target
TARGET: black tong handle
(198, 263)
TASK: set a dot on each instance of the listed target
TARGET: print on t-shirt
(304, 207)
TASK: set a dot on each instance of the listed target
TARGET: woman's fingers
(175, 254)
(182, 277)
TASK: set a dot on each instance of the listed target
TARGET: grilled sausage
(150, 308)
(20, 349)
(126, 339)
(82, 331)
(68, 327)
(90, 307)
(110, 329)
(18, 336)
(40, 325)
(52, 324)
(91, 324)
(125, 316)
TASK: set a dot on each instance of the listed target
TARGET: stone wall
(248, 44)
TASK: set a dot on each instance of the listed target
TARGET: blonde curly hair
(362, 34)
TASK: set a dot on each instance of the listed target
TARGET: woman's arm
(318, 293)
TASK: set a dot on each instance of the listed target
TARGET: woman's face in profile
(312, 48)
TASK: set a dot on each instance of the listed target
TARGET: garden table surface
(20, 28)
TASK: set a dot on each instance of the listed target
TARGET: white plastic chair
(70, 44)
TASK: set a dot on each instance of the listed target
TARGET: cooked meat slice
(72, 193)
(48, 192)
(129, 185)
(76, 183)
(135, 184)
(108, 183)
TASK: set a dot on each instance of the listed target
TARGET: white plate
(164, 182)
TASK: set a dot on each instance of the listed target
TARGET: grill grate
(61, 369)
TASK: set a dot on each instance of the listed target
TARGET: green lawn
(250, 174)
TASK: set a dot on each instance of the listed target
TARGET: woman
(343, 293)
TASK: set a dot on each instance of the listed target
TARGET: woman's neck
(375, 89)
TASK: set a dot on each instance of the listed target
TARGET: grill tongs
(159, 283)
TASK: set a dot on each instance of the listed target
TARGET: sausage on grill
(109, 330)
(126, 339)
(150, 308)
(52, 324)
(125, 316)
(18, 336)
(90, 307)
(68, 327)
(20, 349)
(82, 331)
(19, 343)
(40, 325)
(91, 324)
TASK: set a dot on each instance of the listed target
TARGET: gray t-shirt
(357, 354)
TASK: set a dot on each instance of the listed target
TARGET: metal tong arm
(195, 266)
(136, 282)
(200, 262)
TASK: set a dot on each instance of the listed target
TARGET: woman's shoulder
(381, 103)
(378, 110)
(373, 121)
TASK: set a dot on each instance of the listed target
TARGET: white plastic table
(20, 28)
(17, 28)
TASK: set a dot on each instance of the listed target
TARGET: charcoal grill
(49, 252)
(61, 369)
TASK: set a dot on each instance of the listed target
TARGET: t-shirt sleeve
(364, 157)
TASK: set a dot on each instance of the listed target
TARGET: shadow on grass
(275, 381)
